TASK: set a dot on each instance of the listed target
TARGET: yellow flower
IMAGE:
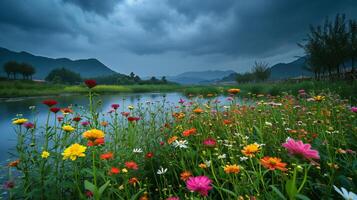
(93, 134)
(124, 170)
(251, 149)
(74, 151)
(319, 98)
(130, 107)
(45, 154)
(68, 128)
(19, 121)
(229, 169)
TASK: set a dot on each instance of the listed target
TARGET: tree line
(331, 47)
(260, 72)
(13, 68)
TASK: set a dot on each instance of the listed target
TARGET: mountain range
(43, 65)
(199, 77)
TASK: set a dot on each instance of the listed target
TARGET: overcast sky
(165, 37)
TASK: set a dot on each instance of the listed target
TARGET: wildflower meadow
(287, 147)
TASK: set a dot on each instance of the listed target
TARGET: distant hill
(289, 70)
(279, 71)
(199, 77)
(85, 67)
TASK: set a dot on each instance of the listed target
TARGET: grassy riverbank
(9, 89)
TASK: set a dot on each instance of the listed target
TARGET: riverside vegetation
(263, 147)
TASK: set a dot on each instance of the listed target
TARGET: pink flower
(354, 109)
(173, 198)
(200, 184)
(299, 148)
(209, 142)
(181, 101)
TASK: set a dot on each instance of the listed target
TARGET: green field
(348, 90)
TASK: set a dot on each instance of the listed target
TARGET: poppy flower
(49, 102)
(55, 109)
(106, 156)
(66, 111)
(96, 142)
(115, 106)
(149, 155)
(77, 119)
(133, 119)
(131, 165)
(197, 111)
(189, 132)
(114, 170)
(29, 125)
(90, 83)
(60, 118)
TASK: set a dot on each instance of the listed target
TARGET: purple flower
(9, 184)
(115, 106)
(85, 123)
(200, 184)
(181, 101)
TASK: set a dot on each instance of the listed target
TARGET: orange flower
(106, 156)
(273, 163)
(185, 175)
(14, 163)
(232, 169)
(198, 111)
(202, 166)
(234, 91)
(133, 181)
(189, 132)
(179, 115)
(172, 139)
(227, 122)
(114, 170)
(104, 123)
(251, 149)
(144, 197)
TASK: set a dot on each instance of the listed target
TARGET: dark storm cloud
(200, 32)
(102, 7)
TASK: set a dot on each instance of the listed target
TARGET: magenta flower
(29, 125)
(200, 184)
(181, 101)
(299, 148)
(354, 109)
(209, 142)
(115, 106)
(85, 123)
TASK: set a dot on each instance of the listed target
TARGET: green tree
(63, 75)
(261, 71)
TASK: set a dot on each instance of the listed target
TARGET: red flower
(29, 125)
(89, 194)
(131, 165)
(90, 83)
(106, 156)
(55, 109)
(189, 132)
(114, 170)
(162, 143)
(209, 142)
(132, 119)
(77, 119)
(149, 155)
(115, 106)
(9, 185)
(50, 102)
(97, 142)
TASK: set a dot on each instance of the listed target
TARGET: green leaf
(225, 190)
(302, 197)
(277, 191)
(137, 195)
(291, 189)
(89, 186)
(102, 188)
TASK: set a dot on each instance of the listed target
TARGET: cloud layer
(165, 36)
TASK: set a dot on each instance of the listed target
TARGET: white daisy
(345, 194)
(181, 144)
(137, 150)
(161, 171)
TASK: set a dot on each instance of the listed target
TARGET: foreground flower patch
(267, 148)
